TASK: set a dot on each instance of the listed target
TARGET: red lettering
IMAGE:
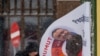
(45, 52)
(48, 43)
(43, 55)
(49, 39)
(46, 46)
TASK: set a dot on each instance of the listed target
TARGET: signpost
(15, 35)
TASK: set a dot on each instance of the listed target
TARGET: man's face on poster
(60, 34)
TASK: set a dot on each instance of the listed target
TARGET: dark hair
(54, 31)
(32, 47)
(21, 53)
(74, 45)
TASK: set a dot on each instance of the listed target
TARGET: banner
(69, 35)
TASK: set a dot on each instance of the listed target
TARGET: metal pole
(8, 38)
(54, 9)
(15, 4)
(46, 3)
(30, 6)
(38, 19)
(22, 24)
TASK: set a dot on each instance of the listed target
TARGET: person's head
(21, 53)
(74, 45)
(60, 34)
(33, 53)
(32, 49)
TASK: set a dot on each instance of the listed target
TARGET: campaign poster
(69, 35)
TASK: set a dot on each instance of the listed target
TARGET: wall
(64, 7)
(98, 27)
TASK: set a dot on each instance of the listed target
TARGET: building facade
(33, 17)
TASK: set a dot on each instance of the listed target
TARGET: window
(33, 17)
